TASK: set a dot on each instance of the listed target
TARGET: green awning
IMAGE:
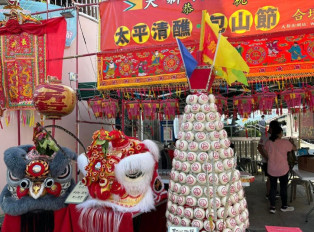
(87, 90)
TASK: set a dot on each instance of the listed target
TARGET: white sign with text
(78, 194)
(182, 229)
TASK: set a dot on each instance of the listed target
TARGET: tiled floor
(259, 209)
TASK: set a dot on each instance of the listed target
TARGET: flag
(238, 75)
(188, 60)
(209, 39)
(227, 56)
(225, 74)
(231, 75)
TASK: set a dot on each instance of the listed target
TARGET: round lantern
(54, 100)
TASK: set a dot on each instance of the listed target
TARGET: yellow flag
(225, 74)
(227, 55)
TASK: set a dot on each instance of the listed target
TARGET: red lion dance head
(121, 175)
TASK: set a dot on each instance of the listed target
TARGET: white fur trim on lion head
(135, 173)
(82, 162)
(153, 148)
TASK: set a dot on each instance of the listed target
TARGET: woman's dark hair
(275, 133)
(274, 124)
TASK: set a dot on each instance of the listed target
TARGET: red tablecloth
(13, 223)
(67, 220)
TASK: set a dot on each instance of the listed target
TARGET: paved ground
(259, 209)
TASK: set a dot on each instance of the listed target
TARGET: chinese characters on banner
(126, 24)
(23, 67)
(28, 57)
(139, 47)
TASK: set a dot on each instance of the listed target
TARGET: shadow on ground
(259, 209)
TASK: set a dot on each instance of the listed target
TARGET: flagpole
(214, 60)
(184, 64)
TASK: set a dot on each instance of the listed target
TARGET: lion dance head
(121, 175)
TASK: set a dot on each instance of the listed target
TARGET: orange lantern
(54, 100)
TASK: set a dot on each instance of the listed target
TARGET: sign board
(167, 132)
(78, 194)
(182, 229)
(307, 125)
(138, 23)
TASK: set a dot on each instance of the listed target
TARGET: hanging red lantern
(54, 100)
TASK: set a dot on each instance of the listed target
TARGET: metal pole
(53, 10)
(47, 9)
(77, 132)
(53, 129)
(299, 142)
(214, 60)
(18, 128)
(97, 123)
(122, 117)
(65, 8)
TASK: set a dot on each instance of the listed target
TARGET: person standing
(278, 168)
(262, 125)
(261, 144)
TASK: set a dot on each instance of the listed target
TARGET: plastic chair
(307, 186)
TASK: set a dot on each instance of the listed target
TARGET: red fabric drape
(55, 31)
(13, 223)
(45, 27)
(56, 36)
(67, 220)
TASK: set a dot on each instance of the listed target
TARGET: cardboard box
(306, 163)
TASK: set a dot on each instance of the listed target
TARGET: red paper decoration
(222, 104)
(150, 108)
(110, 108)
(95, 104)
(244, 105)
(293, 99)
(107, 108)
(133, 109)
(265, 101)
(170, 108)
(309, 98)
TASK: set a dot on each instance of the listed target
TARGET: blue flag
(188, 60)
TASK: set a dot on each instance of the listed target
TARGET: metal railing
(89, 11)
(246, 150)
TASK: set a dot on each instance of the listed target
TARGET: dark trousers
(283, 189)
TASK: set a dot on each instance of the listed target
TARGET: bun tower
(205, 189)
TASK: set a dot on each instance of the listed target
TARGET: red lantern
(54, 100)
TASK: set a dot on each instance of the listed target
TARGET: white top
(262, 125)
(303, 175)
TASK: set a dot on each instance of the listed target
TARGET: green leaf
(100, 142)
(44, 144)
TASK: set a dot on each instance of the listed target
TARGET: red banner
(278, 55)
(141, 68)
(27, 54)
(145, 23)
(23, 67)
(268, 56)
